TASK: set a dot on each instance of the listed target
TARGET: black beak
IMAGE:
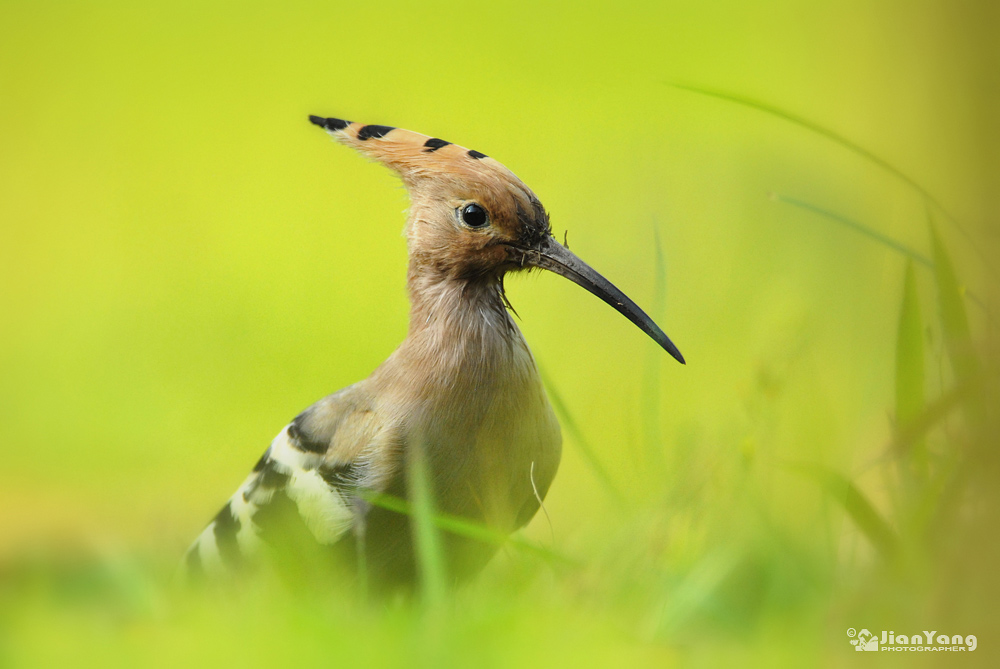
(553, 256)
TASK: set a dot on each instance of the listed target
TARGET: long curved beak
(553, 256)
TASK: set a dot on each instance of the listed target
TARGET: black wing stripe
(301, 440)
(227, 526)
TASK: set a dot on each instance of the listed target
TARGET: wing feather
(308, 475)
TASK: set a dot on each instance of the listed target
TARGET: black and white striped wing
(308, 476)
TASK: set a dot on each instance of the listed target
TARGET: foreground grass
(713, 566)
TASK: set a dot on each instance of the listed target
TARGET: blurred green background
(186, 263)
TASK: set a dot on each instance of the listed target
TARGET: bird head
(472, 218)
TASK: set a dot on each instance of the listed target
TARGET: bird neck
(458, 309)
(463, 350)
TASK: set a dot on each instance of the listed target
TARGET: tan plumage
(463, 386)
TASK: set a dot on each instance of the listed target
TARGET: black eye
(474, 216)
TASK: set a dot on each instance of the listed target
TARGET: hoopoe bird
(463, 387)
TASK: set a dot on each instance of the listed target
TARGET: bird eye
(474, 216)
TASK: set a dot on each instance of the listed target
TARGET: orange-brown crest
(443, 179)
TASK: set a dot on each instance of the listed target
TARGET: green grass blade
(427, 543)
(888, 242)
(910, 362)
(954, 321)
(809, 125)
(850, 146)
(589, 456)
(466, 528)
(878, 237)
(935, 412)
(854, 502)
(696, 593)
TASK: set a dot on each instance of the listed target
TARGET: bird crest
(453, 184)
(411, 154)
